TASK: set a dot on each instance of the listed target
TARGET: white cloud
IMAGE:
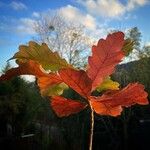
(75, 15)
(94, 29)
(135, 3)
(26, 26)
(147, 44)
(18, 5)
(29, 78)
(108, 8)
(111, 8)
(36, 14)
(22, 26)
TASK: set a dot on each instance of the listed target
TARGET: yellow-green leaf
(108, 84)
(56, 89)
(128, 46)
(42, 54)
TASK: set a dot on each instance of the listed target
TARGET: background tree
(138, 70)
(68, 38)
(135, 70)
(20, 106)
(135, 35)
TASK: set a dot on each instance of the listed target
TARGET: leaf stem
(92, 127)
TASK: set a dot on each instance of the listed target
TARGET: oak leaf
(54, 89)
(24, 68)
(128, 46)
(105, 56)
(102, 109)
(111, 101)
(77, 80)
(108, 84)
(64, 107)
(50, 84)
(42, 54)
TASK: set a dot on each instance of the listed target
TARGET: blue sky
(98, 16)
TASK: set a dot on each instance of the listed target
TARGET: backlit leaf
(55, 89)
(110, 102)
(77, 80)
(42, 54)
(64, 107)
(102, 109)
(128, 46)
(45, 83)
(25, 68)
(108, 84)
(105, 56)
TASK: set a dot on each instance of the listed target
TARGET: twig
(92, 127)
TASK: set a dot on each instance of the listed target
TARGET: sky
(18, 17)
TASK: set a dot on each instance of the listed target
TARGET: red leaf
(27, 68)
(48, 80)
(102, 109)
(111, 102)
(105, 56)
(64, 107)
(77, 80)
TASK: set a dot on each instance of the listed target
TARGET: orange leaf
(48, 80)
(110, 102)
(77, 80)
(64, 107)
(25, 68)
(102, 109)
(105, 56)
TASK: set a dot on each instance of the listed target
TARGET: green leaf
(128, 46)
(42, 54)
(108, 84)
(56, 89)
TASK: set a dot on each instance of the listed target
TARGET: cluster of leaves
(54, 75)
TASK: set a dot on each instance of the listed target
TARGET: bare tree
(68, 38)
